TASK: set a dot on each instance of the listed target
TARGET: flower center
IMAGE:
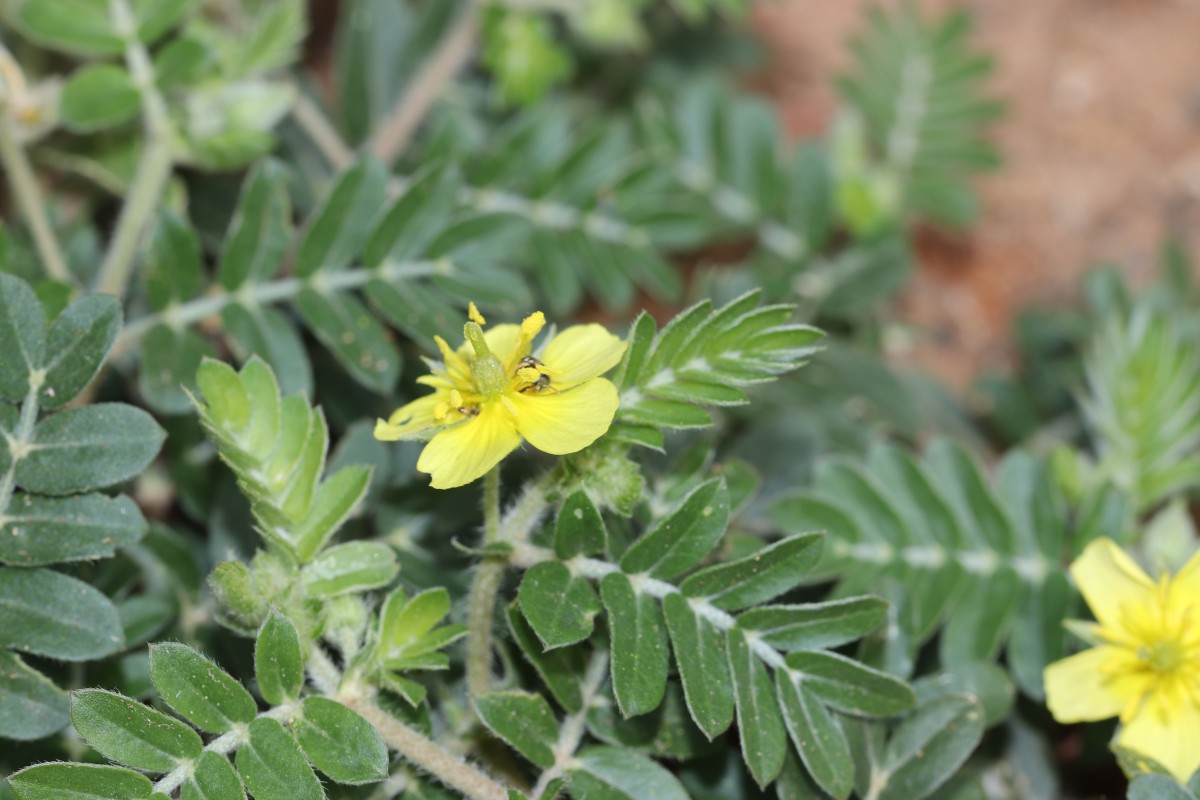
(486, 369)
(1164, 656)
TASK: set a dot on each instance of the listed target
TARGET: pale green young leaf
(212, 778)
(98, 96)
(22, 336)
(199, 690)
(560, 607)
(131, 733)
(272, 767)
(77, 344)
(760, 725)
(759, 577)
(61, 781)
(278, 660)
(703, 665)
(350, 567)
(47, 530)
(340, 743)
(88, 448)
(524, 721)
(639, 645)
(336, 499)
(78, 27)
(263, 331)
(678, 542)
(51, 614)
(31, 706)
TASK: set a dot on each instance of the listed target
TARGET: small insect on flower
(1145, 667)
(493, 392)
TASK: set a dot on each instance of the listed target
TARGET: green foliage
(917, 88)
(950, 553)
(51, 467)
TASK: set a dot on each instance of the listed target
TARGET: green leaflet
(699, 648)
(278, 660)
(340, 743)
(31, 706)
(51, 614)
(48, 530)
(131, 733)
(272, 766)
(199, 690)
(639, 645)
(524, 721)
(760, 724)
(678, 542)
(78, 782)
(559, 606)
(213, 778)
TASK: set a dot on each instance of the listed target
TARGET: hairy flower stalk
(496, 390)
(1145, 667)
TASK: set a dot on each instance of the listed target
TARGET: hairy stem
(451, 55)
(277, 291)
(154, 167)
(320, 131)
(574, 726)
(481, 610)
(29, 200)
(450, 769)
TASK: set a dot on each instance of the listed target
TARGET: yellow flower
(1145, 667)
(493, 391)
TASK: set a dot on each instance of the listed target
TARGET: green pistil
(486, 369)
(1166, 656)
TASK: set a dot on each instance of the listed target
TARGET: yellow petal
(1109, 579)
(1185, 586)
(1080, 688)
(459, 455)
(409, 420)
(565, 422)
(580, 353)
(1171, 739)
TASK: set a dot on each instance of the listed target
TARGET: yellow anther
(440, 411)
(532, 325)
(528, 374)
(456, 398)
(474, 315)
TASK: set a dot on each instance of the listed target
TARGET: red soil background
(1101, 142)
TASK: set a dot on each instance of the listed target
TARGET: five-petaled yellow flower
(494, 390)
(1145, 667)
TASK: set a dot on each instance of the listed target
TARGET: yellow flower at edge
(1145, 667)
(493, 392)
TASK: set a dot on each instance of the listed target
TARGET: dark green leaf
(760, 725)
(340, 743)
(31, 706)
(639, 645)
(89, 448)
(849, 686)
(759, 577)
(680, 541)
(278, 660)
(615, 773)
(524, 721)
(360, 344)
(560, 607)
(79, 27)
(930, 745)
(22, 336)
(559, 669)
(815, 626)
(703, 666)
(78, 341)
(817, 737)
(54, 615)
(213, 778)
(261, 229)
(78, 782)
(1157, 787)
(986, 682)
(44, 530)
(198, 689)
(170, 360)
(579, 530)
(272, 766)
(131, 733)
(340, 225)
